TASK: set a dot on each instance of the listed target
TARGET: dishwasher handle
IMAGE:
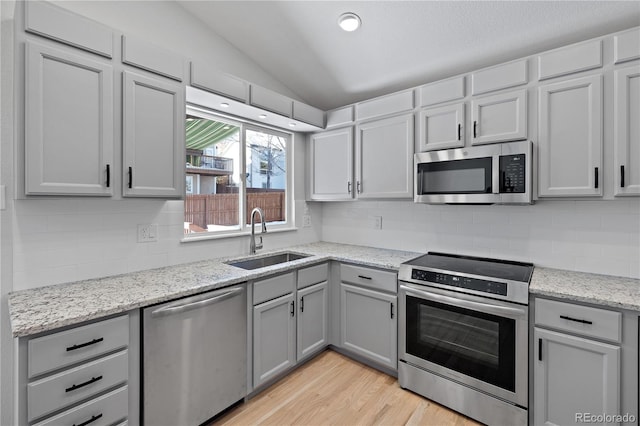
(176, 309)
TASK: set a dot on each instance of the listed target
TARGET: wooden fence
(222, 209)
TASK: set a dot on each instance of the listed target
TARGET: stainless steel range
(463, 339)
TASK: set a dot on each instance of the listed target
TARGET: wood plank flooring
(335, 390)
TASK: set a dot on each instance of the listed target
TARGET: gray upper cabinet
(331, 165)
(570, 59)
(385, 105)
(499, 77)
(68, 122)
(626, 46)
(47, 20)
(499, 118)
(441, 127)
(308, 114)
(206, 77)
(152, 58)
(627, 131)
(439, 92)
(153, 137)
(384, 158)
(340, 117)
(570, 138)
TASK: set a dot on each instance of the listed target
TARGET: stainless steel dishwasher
(195, 357)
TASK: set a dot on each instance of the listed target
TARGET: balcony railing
(210, 163)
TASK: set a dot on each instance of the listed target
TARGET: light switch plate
(148, 233)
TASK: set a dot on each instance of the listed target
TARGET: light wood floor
(335, 390)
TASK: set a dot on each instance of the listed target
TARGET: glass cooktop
(490, 268)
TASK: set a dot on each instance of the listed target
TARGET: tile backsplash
(591, 236)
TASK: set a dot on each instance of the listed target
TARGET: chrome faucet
(253, 246)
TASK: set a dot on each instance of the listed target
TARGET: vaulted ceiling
(401, 44)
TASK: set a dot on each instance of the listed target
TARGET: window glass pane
(213, 182)
(266, 168)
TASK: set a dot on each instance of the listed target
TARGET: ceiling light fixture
(262, 116)
(349, 21)
(292, 124)
(224, 105)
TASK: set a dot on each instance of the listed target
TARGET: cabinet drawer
(367, 277)
(271, 288)
(585, 320)
(313, 275)
(106, 410)
(63, 389)
(61, 349)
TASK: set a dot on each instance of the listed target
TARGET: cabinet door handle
(596, 177)
(581, 321)
(475, 127)
(108, 176)
(302, 304)
(459, 131)
(622, 176)
(83, 345)
(130, 177)
(349, 187)
(293, 307)
(81, 385)
(391, 310)
(539, 349)
(359, 187)
(91, 420)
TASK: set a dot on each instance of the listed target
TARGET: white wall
(592, 236)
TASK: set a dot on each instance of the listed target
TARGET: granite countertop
(46, 308)
(605, 290)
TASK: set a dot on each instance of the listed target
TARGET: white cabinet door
(570, 138)
(573, 376)
(499, 118)
(153, 137)
(274, 327)
(384, 158)
(331, 164)
(68, 123)
(441, 128)
(313, 319)
(627, 131)
(368, 324)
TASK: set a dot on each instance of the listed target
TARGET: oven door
(476, 341)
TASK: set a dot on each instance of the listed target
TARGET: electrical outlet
(306, 221)
(377, 222)
(148, 233)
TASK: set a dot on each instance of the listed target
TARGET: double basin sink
(261, 262)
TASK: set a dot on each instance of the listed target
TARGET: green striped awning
(202, 133)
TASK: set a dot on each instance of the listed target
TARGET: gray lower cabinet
(313, 319)
(86, 374)
(274, 328)
(368, 324)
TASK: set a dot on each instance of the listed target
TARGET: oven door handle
(476, 306)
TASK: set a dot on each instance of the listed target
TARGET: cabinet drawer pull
(293, 307)
(364, 277)
(596, 177)
(349, 187)
(564, 317)
(130, 177)
(359, 186)
(475, 127)
(84, 345)
(302, 304)
(391, 310)
(108, 176)
(81, 385)
(622, 176)
(459, 131)
(539, 349)
(91, 420)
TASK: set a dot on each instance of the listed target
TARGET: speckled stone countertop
(46, 308)
(605, 290)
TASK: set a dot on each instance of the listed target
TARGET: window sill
(212, 236)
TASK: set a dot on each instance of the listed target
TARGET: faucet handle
(259, 245)
(264, 228)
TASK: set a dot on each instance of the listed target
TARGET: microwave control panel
(512, 174)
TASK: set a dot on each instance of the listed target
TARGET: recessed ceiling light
(349, 21)
(262, 116)
(292, 124)
(224, 105)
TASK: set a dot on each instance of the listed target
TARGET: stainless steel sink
(261, 262)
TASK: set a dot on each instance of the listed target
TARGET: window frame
(244, 229)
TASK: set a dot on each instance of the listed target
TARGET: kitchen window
(232, 167)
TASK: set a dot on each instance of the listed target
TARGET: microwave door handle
(476, 306)
(495, 174)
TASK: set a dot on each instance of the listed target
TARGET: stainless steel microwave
(488, 174)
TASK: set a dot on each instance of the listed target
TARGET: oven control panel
(485, 286)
